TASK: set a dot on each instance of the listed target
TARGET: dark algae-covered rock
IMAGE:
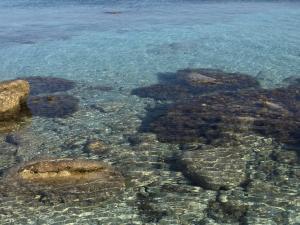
(214, 109)
(53, 105)
(208, 80)
(193, 82)
(208, 117)
(66, 180)
(204, 118)
(226, 212)
(46, 85)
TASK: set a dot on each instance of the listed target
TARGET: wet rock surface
(13, 109)
(13, 96)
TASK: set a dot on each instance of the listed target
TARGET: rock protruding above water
(216, 168)
(66, 180)
(13, 109)
(53, 105)
(13, 96)
(46, 85)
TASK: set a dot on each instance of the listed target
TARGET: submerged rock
(188, 83)
(209, 103)
(216, 168)
(13, 96)
(227, 212)
(97, 147)
(66, 180)
(13, 138)
(162, 92)
(53, 105)
(46, 85)
(292, 81)
(208, 80)
(113, 12)
(273, 113)
(15, 125)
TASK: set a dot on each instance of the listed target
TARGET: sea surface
(111, 48)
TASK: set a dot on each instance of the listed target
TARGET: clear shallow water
(77, 40)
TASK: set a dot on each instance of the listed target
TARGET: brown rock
(95, 147)
(13, 96)
(66, 180)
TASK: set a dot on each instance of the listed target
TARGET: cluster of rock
(51, 180)
(20, 99)
(208, 107)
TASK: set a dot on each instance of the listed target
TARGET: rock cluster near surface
(216, 102)
(25, 97)
(206, 106)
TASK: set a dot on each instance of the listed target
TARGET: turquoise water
(109, 54)
(79, 41)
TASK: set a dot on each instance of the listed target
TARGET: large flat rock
(216, 168)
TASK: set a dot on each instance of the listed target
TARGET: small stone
(227, 212)
(14, 139)
(142, 139)
(96, 147)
